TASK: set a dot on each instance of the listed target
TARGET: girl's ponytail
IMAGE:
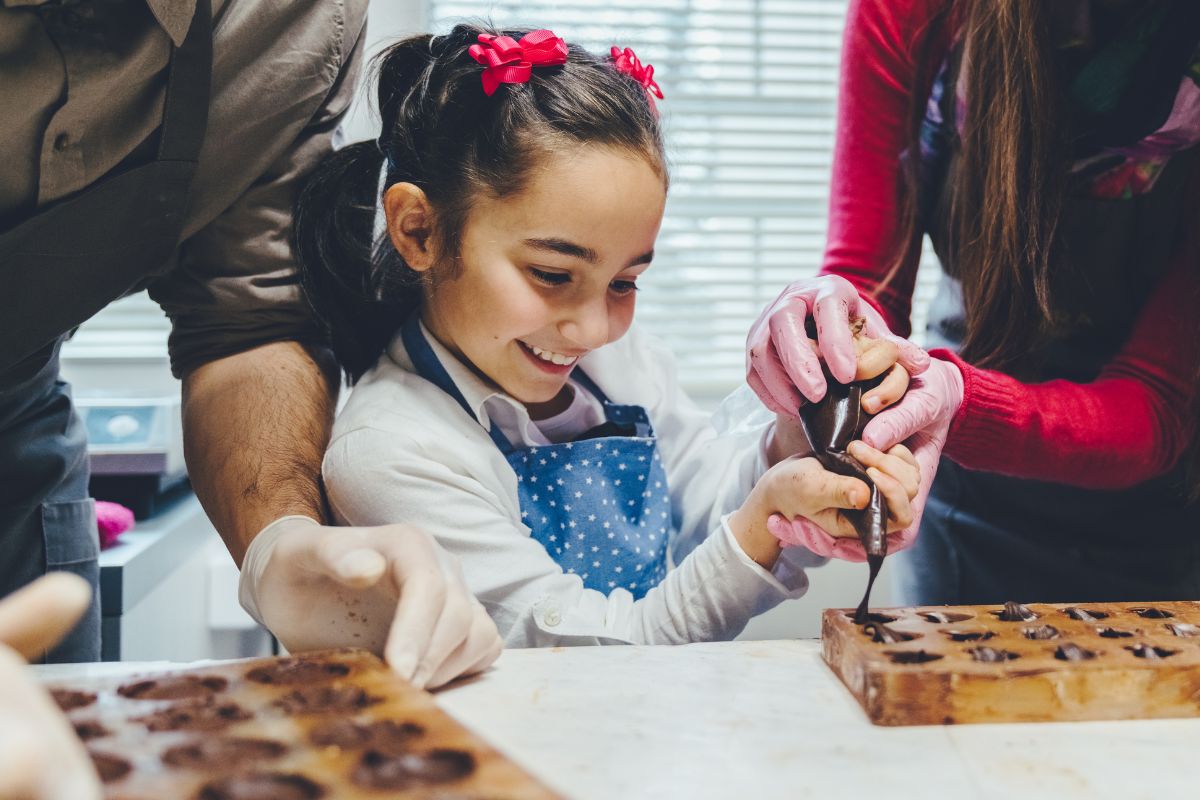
(334, 242)
(358, 287)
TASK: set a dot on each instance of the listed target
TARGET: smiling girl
(503, 401)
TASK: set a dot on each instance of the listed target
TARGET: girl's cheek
(620, 317)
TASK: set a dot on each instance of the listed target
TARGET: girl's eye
(623, 287)
(550, 278)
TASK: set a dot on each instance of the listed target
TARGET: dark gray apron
(988, 538)
(58, 268)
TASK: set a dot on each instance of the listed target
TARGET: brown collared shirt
(81, 95)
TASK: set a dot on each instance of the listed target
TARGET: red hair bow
(625, 61)
(507, 61)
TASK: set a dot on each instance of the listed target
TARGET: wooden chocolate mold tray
(337, 724)
(1019, 663)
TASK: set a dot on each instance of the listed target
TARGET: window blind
(749, 115)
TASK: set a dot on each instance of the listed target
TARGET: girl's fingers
(875, 357)
(904, 471)
(902, 452)
(889, 391)
(900, 514)
(834, 523)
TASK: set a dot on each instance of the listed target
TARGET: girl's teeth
(554, 358)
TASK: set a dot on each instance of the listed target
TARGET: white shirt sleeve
(376, 477)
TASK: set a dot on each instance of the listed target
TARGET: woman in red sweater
(1048, 150)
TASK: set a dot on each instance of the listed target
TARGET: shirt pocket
(71, 538)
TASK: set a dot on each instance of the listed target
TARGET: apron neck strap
(426, 362)
(185, 115)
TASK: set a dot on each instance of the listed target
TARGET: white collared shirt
(405, 451)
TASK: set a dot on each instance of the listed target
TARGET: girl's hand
(796, 487)
(899, 478)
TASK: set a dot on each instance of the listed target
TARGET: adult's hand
(40, 756)
(390, 589)
(921, 421)
(782, 367)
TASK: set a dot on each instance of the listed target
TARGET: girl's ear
(410, 224)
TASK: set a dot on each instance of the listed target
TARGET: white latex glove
(390, 589)
(40, 756)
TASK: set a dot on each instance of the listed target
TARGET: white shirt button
(552, 617)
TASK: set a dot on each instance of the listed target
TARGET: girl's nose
(588, 326)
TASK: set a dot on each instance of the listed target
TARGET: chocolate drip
(1069, 651)
(1085, 614)
(1152, 613)
(990, 655)
(1113, 633)
(1041, 633)
(1015, 612)
(830, 426)
(1150, 652)
(882, 634)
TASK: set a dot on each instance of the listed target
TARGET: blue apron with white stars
(598, 504)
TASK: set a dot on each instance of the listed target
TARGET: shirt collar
(175, 16)
(478, 392)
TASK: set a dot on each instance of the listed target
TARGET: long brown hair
(1005, 205)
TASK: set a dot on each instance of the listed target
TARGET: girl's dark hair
(443, 134)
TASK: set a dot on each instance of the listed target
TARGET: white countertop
(751, 720)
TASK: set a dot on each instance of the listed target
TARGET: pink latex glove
(782, 368)
(921, 420)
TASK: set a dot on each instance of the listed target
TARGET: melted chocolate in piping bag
(830, 426)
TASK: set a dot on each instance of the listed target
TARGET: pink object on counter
(112, 519)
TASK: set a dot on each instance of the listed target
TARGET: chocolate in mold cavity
(991, 655)
(179, 687)
(882, 634)
(1150, 652)
(323, 699)
(1182, 629)
(969, 636)
(219, 752)
(89, 729)
(1041, 633)
(1015, 612)
(262, 786)
(1069, 651)
(873, 616)
(298, 671)
(386, 735)
(1085, 614)
(109, 768)
(205, 714)
(398, 772)
(1149, 612)
(1113, 633)
(830, 426)
(946, 617)
(69, 699)
(912, 656)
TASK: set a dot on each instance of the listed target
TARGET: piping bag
(830, 426)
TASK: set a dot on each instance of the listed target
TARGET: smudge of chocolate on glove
(830, 426)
